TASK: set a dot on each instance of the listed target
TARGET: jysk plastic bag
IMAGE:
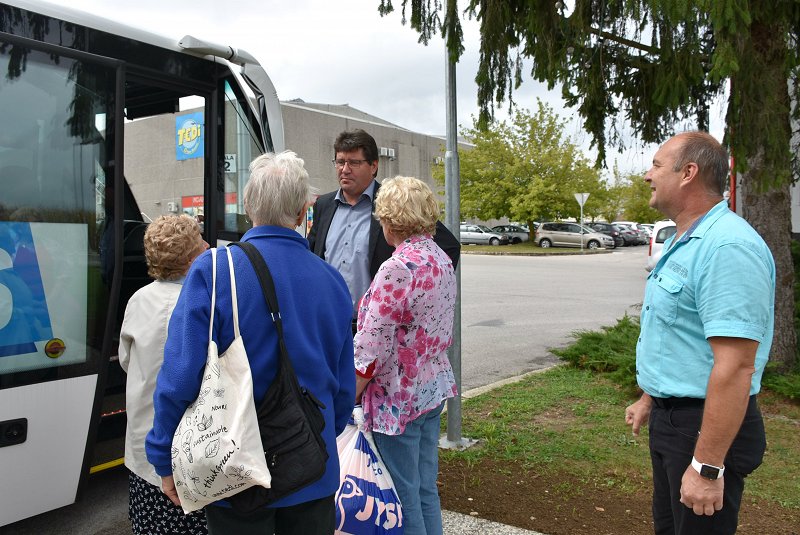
(366, 502)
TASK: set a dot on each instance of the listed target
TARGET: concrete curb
(477, 391)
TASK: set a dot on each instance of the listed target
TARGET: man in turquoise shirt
(706, 331)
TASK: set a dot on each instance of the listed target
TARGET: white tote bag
(217, 450)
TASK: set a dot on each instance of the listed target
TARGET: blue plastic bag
(366, 502)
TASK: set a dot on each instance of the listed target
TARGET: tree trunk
(770, 214)
(761, 91)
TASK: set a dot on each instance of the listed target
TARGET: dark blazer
(379, 250)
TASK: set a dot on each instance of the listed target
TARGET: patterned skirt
(152, 513)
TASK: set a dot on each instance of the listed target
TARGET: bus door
(166, 168)
(56, 143)
(176, 161)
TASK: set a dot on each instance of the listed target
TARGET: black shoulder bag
(289, 418)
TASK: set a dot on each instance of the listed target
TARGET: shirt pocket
(666, 303)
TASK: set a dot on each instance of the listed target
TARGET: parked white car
(662, 230)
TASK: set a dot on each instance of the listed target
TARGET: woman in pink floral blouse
(405, 325)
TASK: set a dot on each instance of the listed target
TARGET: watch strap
(708, 471)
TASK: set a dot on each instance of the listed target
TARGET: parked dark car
(629, 236)
(515, 234)
(641, 236)
(608, 228)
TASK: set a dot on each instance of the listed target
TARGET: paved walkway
(458, 524)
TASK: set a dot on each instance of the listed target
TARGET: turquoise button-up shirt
(717, 279)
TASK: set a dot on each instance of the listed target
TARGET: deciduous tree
(525, 169)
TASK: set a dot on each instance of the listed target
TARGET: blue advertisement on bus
(43, 288)
(189, 136)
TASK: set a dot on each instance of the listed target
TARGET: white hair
(278, 189)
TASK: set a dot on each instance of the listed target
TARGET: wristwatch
(708, 471)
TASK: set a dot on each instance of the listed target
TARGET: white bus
(103, 127)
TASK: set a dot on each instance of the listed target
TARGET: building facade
(171, 182)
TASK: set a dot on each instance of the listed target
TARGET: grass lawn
(571, 419)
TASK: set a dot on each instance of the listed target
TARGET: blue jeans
(413, 462)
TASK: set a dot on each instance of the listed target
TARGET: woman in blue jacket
(316, 311)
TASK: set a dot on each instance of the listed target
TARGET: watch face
(709, 472)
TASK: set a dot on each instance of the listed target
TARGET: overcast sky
(343, 51)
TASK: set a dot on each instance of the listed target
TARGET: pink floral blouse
(405, 324)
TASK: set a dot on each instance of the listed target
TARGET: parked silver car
(482, 235)
(515, 234)
(557, 234)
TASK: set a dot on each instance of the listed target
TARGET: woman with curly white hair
(405, 325)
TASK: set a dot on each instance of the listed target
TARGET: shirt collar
(271, 231)
(708, 220)
(698, 228)
(369, 193)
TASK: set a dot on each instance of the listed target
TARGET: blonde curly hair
(170, 245)
(407, 206)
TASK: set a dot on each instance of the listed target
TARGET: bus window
(50, 150)
(241, 146)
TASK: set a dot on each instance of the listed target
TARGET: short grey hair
(278, 190)
(710, 156)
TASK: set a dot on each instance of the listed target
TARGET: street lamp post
(452, 186)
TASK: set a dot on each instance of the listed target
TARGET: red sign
(192, 201)
(197, 201)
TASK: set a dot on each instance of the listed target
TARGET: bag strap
(268, 288)
(213, 292)
(234, 301)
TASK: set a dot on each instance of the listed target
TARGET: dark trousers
(316, 517)
(674, 427)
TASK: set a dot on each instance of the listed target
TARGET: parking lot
(514, 308)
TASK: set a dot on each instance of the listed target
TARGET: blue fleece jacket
(316, 311)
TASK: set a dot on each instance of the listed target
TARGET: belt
(674, 403)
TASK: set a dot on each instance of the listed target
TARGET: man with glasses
(344, 233)
(706, 329)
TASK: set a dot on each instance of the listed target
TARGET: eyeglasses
(354, 164)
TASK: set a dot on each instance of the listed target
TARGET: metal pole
(452, 187)
(583, 236)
